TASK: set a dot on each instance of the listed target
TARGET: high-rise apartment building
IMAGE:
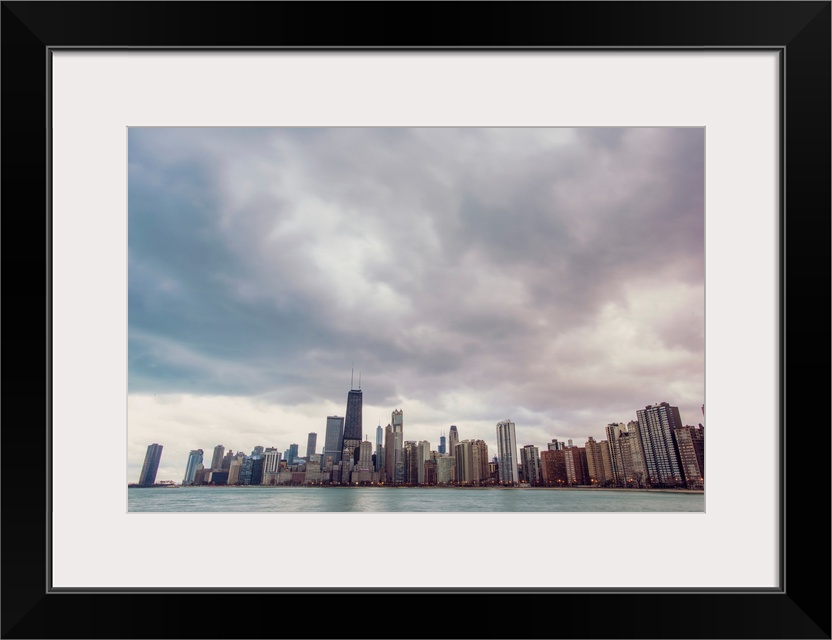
(399, 472)
(684, 439)
(530, 459)
(577, 472)
(389, 461)
(507, 452)
(637, 459)
(445, 470)
(216, 461)
(424, 456)
(311, 444)
(553, 468)
(468, 462)
(332, 440)
(698, 436)
(613, 430)
(194, 461)
(595, 463)
(147, 477)
(471, 462)
(656, 423)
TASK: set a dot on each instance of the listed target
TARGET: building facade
(150, 467)
(332, 440)
(216, 461)
(656, 423)
(353, 433)
(311, 444)
(194, 462)
(530, 459)
(507, 452)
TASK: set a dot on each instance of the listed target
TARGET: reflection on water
(407, 499)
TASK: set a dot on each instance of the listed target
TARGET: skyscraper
(507, 452)
(216, 461)
(399, 473)
(332, 440)
(311, 443)
(656, 423)
(352, 426)
(379, 448)
(471, 462)
(424, 456)
(684, 439)
(442, 444)
(619, 473)
(365, 455)
(594, 462)
(147, 478)
(453, 438)
(194, 460)
(531, 464)
(389, 458)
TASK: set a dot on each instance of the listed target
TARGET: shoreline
(499, 488)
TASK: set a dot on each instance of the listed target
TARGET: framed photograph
(184, 180)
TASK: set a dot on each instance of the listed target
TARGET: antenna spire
(352, 375)
(359, 381)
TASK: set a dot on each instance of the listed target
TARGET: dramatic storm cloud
(553, 277)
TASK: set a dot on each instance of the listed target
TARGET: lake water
(406, 499)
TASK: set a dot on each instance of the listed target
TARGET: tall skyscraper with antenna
(352, 424)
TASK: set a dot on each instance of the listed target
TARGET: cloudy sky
(553, 277)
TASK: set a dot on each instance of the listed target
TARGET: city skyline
(551, 277)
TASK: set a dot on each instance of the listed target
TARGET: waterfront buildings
(147, 478)
(194, 462)
(507, 452)
(655, 450)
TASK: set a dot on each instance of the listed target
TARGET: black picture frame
(799, 31)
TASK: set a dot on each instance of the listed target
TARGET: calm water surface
(406, 499)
